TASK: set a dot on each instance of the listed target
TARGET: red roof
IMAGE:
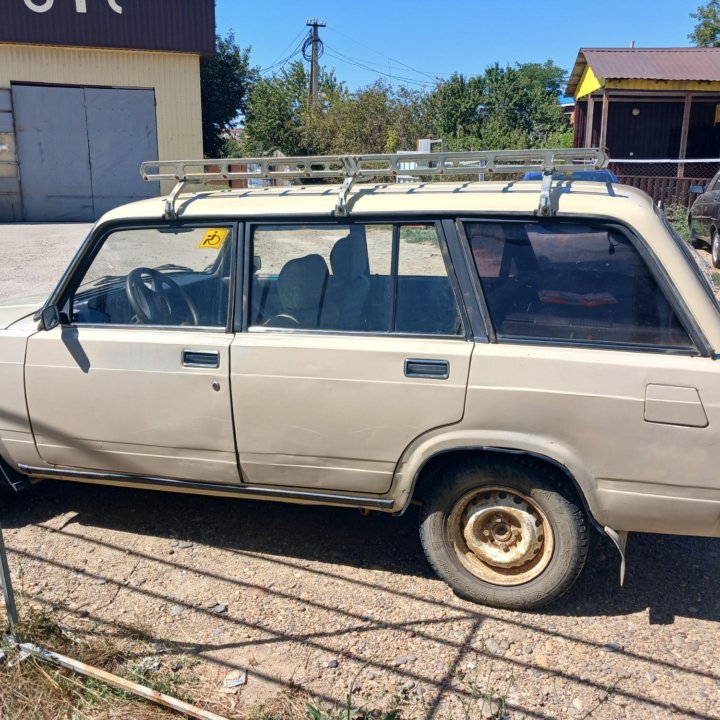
(699, 64)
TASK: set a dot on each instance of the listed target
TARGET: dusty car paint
(585, 409)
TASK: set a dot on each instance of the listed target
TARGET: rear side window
(566, 282)
(354, 277)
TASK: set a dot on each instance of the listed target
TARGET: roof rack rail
(353, 168)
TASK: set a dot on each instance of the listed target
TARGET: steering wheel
(157, 299)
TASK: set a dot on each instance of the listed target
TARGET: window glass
(330, 277)
(557, 281)
(158, 276)
(342, 277)
(425, 299)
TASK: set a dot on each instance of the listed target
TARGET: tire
(529, 540)
(715, 247)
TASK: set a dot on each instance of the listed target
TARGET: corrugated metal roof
(699, 64)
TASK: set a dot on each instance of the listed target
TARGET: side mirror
(697, 189)
(257, 263)
(49, 317)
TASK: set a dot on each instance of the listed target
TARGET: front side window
(567, 282)
(377, 278)
(157, 276)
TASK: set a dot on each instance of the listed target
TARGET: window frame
(64, 292)
(699, 344)
(242, 320)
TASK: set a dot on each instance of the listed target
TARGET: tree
(455, 107)
(505, 107)
(707, 29)
(225, 81)
(280, 116)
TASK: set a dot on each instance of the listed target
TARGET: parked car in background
(704, 218)
(525, 366)
(602, 175)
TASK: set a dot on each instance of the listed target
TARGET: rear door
(354, 343)
(596, 363)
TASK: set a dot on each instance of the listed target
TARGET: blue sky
(419, 39)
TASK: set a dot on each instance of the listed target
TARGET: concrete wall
(175, 77)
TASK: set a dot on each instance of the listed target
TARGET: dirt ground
(316, 597)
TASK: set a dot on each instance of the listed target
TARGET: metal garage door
(80, 149)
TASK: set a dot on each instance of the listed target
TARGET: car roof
(569, 197)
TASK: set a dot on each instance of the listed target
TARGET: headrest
(349, 257)
(302, 281)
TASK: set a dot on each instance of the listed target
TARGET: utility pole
(314, 67)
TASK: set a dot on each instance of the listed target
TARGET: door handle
(201, 358)
(433, 369)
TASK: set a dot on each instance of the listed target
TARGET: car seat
(301, 287)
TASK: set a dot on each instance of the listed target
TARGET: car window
(425, 301)
(351, 277)
(567, 282)
(157, 276)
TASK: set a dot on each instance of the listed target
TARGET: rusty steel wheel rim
(501, 535)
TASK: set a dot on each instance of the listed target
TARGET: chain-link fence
(668, 182)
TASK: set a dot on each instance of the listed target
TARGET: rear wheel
(502, 534)
(715, 247)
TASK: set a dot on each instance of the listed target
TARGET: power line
(278, 65)
(344, 58)
(432, 76)
(289, 45)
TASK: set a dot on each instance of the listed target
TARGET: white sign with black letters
(42, 6)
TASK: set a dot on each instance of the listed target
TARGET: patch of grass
(31, 689)
(677, 214)
(419, 234)
(485, 699)
(348, 712)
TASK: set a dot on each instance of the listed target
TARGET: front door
(355, 344)
(136, 381)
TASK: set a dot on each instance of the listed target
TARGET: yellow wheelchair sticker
(214, 238)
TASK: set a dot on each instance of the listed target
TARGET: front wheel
(715, 247)
(502, 534)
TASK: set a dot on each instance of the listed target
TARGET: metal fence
(668, 182)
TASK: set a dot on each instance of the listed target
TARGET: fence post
(7, 587)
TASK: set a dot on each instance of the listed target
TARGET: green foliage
(707, 28)
(505, 107)
(225, 81)
(455, 107)
(280, 116)
(677, 214)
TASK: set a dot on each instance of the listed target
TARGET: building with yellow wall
(88, 90)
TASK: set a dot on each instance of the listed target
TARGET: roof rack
(354, 168)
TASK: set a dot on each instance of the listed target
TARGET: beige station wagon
(525, 360)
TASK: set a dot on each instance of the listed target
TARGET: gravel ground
(315, 597)
(33, 256)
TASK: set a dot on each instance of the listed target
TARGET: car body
(524, 378)
(601, 175)
(704, 218)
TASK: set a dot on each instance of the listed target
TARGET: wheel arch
(424, 473)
